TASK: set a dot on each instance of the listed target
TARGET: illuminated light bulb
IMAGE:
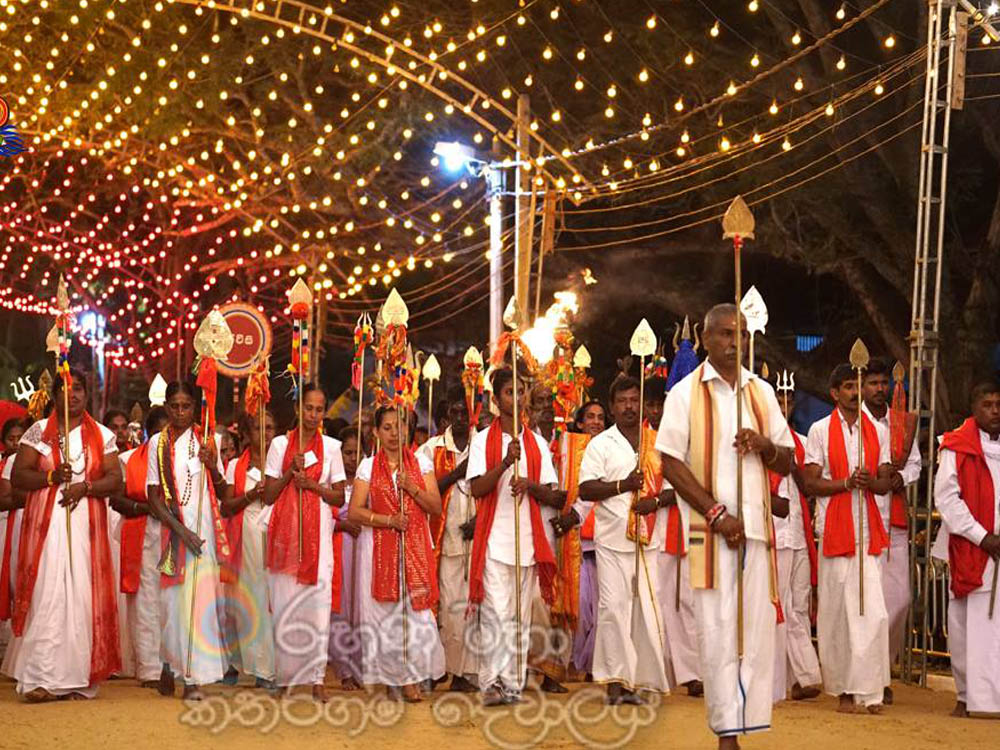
(714, 31)
(581, 54)
(752, 6)
(786, 144)
(554, 13)
(985, 40)
(796, 38)
(879, 89)
(547, 53)
(755, 60)
(651, 22)
(612, 91)
(627, 163)
(841, 63)
(756, 137)
(681, 151)
(529, 80)
(841, 13)
(685, 137)
(731, 89)
(829, 110)
(799, 85)
(689, 58)
(608, 36)
(890, 41)
(644, 136)
(605, 171)
(647, 120)
(679, 105)
(521, 20)
(724, 144)
(773, 109)
(643, 75)
(654, 165)
(609, 112)
(505, 93)
(556, 116)
(578, 85)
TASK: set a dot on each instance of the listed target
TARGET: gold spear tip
(136, 414)
(643, 341)
(859, 355)
(754, 309)
(764, 372)
(898, 372)
(62, 295)
(432, 368)
(300, 293)
(157, 391)
(738, 220)
(394, 311)
(581, 359)
(512, 315)
(472, 358)
(52, 339)
(214, 338)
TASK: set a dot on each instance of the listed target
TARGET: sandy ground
(125, 715)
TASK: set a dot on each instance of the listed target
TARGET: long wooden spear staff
(738, 225)
(212, 342)
(512, 319)
(859, 361)
(642, 345)
(363, 338)
(472, 383)
(255, 396)
(60, 346)
(300, 300)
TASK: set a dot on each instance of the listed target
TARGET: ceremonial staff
(58, 341)
(642, 345)
(300, 301)
(212, 342)
(431, 372)
(472, 383)
(786, 385)
(363, 338)
(755, 311)
(898, 406)
(512, 319)
(738, 225)
(255, 397)
(859, 361)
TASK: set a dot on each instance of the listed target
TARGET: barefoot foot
(960, 711)
(846, 705)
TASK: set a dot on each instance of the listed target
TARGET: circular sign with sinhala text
(251, 339)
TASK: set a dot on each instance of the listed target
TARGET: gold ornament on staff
(755, 311)
(512, 319)
(431, 372)
(212, 341)
(786, 385)
(642, 345)
(300, 301)
(58, 342)
(859, 361)
(738, 225)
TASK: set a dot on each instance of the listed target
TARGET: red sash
(444, 464)
(545, 563)
(838, 532)
(5, 589)
(968, 560)
(235, 522)
(652, 483)
(902, 430)
(421, 573)
(807, 524)
(105, 655)
(283, 530)
(134, 529)
(172, 574)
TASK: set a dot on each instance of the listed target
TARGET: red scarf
(838, 532)
(807, 524)
(5, 591)
(545, 563)
(105, 654)
(421, 573)
(134, 529)
(235, 522)
(172, 574)
(283, 530)
(902, 430)
(968, 560)
(444, 464)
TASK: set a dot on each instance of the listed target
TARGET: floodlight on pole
(456, 156)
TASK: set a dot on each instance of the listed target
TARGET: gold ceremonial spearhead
(738, 220)
(62, 296)
(432, 368)
(472, 358)
(394, 311)
(158, 391)
(764, 372)
(511, 315)
(643, 341)
(582, 358)
(214, 338)
(859, 355)
(898, 372)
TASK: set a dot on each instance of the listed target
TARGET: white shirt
(500, 546)
(181, 449)
(817, 453)
(33, 439)
(948, 497)
(333, 462)
(911, 469)
(674, 436)
(461, 506)
(253, 475)
(789, 533)
(365, 468)
(609, 457)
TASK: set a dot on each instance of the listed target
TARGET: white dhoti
(453, 584)
(853, 648)
(345, 639)
(896, 588)
(496, 632)
(383, 646)
(680, 631)
(629, 644)
(301, 616)
(54, 652)
(586, 627)
(737, 693)
(249, 605)
(144, 614)
(795, 659)
(126, 602)
(974, 640)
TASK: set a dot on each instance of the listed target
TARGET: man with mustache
(701, 446)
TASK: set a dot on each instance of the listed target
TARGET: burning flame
(541, 337)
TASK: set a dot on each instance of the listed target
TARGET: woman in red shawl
(375, 502)
(65, 617)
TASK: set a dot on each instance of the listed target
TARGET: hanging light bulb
(755, 60)
(731, 89)
(829, 110)
(756, 137)
(685, 137)
(679, 105)
(651, 22)
(752, 6)
(689, 58)
(724, 144)
(841, 13)
(796, 38)
(714, 31)
(773, 109)
(879, 89)
(841, 63)
(890, 41)
(786, 144)
(799, 85)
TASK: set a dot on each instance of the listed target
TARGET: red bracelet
(716, 512)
